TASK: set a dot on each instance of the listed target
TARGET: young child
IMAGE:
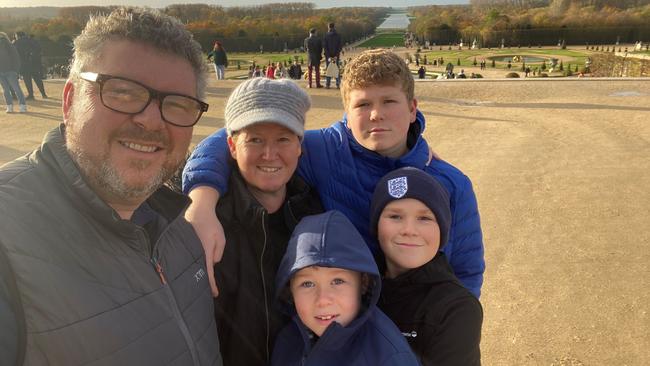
(381, 131)
(440, 318)
(332, 71)
(329, 283)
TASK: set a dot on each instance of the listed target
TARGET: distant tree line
(621, 4)
(534, 22)
(271, 26)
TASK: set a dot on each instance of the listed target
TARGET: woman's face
(266, 154)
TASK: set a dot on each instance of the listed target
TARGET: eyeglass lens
(129, 97)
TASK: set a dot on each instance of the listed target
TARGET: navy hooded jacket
(330, 240)
(345, 175)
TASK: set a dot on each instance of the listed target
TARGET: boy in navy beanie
(440, 318)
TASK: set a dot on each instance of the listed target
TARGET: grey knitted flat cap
(266, 100)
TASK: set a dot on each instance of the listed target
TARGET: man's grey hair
(142, 25)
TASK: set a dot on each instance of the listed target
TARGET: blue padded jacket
(345, 174)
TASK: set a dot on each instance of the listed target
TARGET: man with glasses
(97, 264)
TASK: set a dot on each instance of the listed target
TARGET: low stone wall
(609, 65)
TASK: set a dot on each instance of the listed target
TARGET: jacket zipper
(158, 268)
(174, 305)
(266, 300)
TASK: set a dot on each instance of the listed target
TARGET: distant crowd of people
(294, 70)
(330, 47)
(20, 58)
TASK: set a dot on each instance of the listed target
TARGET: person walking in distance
(37, 66)
(9, 66)
(218, 55)
(30, 63)
(314, 48)
(332, 47)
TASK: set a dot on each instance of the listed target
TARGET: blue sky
(162, 3)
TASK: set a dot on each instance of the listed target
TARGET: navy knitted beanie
(413, 183)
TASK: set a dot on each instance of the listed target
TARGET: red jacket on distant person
(270, 72)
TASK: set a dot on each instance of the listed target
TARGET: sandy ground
(561, 169)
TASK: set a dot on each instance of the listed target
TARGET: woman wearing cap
(265, 121)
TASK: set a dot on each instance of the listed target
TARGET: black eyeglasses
(131, 97)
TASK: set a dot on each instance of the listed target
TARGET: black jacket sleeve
(458, 335)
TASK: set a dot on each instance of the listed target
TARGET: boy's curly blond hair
(376, 67)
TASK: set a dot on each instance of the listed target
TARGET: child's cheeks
(379, 117)
(408, 234)
(324, 295)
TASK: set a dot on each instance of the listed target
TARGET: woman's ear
(232, 146)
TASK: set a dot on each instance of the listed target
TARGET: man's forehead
(145, 63)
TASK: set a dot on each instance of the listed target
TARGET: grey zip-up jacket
(81, 286)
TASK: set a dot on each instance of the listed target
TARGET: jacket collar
(435, 271)
(417, 156)
(240, 206)
(335, 336)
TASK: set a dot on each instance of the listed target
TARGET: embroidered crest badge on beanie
(413, 183)
(267, 100)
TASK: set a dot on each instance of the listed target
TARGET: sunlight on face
(267, 156)
(408, 234)
(325, 295)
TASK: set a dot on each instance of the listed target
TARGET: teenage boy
(381, 131)
(329, 283)
(439, 317)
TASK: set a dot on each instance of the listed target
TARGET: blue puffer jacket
(345, 174)
(330, 240)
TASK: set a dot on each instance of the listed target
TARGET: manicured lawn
(385, 40)
(261, 58)
(467, 56)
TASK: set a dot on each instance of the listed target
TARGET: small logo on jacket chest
(411, 334)
(199, 275)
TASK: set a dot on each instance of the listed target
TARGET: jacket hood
(327, 240)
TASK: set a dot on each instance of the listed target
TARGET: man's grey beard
(105, 178)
